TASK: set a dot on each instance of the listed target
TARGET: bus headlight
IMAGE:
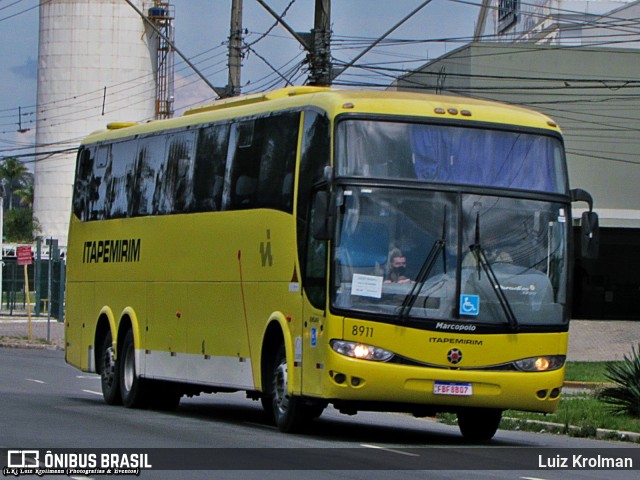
(361, 351)
(540, 364)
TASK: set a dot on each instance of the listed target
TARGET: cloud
(28, 70)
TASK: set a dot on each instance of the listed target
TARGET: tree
(26, 195)
(20, 226)
(13, 174)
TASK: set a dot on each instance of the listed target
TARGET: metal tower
(162, 15)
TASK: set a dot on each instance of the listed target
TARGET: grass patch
(585, 412)
(587, 371)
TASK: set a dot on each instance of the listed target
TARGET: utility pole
(317, 43)
(320, 55)
(235, 49)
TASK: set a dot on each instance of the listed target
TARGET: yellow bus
(372, 250)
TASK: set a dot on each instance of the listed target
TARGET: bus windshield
(399, 253)
(450, 154)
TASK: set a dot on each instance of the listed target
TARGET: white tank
(85, 46)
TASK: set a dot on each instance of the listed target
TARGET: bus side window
(264, 162)
(314, 157)
(98, 205)
(315, 269)
(279, 134)
(209, 168)
(85, 188)
(178, 181)
(244, 167)
(151, 154)
(119, 178)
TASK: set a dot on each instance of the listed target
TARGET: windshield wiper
(425, 270)
(483, 261)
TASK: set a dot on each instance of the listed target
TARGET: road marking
(95, 377)
(399, 452)
(91, 391)
(33, 380)
(532, 478)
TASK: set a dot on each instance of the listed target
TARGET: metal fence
(46, 278)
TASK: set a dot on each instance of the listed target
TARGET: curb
(583, 385)
(31, 346)
(601, 433)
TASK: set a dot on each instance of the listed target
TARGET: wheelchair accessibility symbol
(469, 305)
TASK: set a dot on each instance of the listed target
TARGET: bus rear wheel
(479, 424)
(109, 372)
(133, 389)
(289, 412)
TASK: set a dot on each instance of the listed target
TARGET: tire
(479, 424)
(109, 372)
(133, 388)
(289, 412)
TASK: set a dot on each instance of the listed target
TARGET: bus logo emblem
(454, 356)
(265, 251)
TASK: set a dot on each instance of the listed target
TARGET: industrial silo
(96, 65)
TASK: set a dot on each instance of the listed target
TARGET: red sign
(24, 255)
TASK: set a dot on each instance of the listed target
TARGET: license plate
(452, 388)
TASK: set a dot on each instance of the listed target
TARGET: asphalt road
(46, 404)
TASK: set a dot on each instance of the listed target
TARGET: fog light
(339, 378)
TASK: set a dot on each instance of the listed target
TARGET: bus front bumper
(352, 380)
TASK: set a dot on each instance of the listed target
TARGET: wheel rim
(280, 386)
(108, 367)
(129, 368)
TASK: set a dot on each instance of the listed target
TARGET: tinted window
(208, 174)
(119, 178)
(191, 171)
(314, 157)
(449, 154)
(150, 160)
(263, 165)
(176, 193)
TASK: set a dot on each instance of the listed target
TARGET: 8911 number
(362, 331)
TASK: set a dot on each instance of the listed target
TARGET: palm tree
(12, 173)
(26, 195)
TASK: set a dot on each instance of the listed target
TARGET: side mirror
(579, 195)
(589, 235)
(589, 225)
(322, 221)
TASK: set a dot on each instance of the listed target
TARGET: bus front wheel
(132, 386)
(289, 411)
(109, 372)
(479, 424)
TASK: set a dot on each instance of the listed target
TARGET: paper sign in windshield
(366, 285)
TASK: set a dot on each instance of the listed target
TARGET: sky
(201, 32)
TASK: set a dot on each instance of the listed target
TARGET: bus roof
(335, 102)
